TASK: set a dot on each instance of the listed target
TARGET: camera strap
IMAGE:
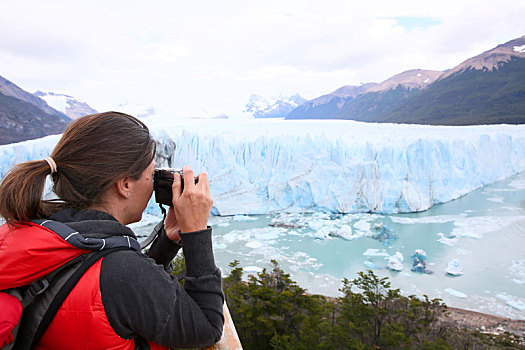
(163, 211)
(145, 243)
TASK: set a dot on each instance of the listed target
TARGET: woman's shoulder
(130, 263)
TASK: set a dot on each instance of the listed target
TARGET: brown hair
(93, 153)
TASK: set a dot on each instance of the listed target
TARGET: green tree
(272, 311)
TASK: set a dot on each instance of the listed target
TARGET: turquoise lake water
(483, 230)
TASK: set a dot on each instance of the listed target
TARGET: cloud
(213, 55)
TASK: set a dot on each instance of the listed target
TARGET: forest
(271, 311)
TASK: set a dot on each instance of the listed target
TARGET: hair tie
(52, 164)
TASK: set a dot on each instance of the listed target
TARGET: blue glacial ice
(384, 234)
(419, 262)
(456, 293)
(343, 167)
(511, 301)
(269, 166)
(375, 252)
(369, 263)
(395, 262)
(454, 268)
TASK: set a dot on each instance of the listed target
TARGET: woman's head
(93, 153)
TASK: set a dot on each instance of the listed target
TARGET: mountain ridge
(24, 116)
(410, 96)
(492, 58)
(8, 88)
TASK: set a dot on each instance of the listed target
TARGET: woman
(102, 171)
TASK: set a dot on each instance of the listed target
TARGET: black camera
(162, 181)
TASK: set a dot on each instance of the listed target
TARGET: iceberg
(244, 218)
(512, 301)
(269, 166)
(420, 254)
(384, 234)
(455, 293)
(374, 252)
(454, 268)
(518, 305)
(448, 240)
(418, 262)
(344, 232)
(369, 263)
(286, 222)
(395, 262)
(362, 225)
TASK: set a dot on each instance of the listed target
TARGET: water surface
(484, 231)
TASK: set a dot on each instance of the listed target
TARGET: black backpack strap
(40, 286)
(37, 317)
(66, 289)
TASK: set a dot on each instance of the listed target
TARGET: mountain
(366, 101)
(24, 116)
(68, 105)
(492, 59)
(329, 104)
(9, 89)
(486, 89)
(411, 79)
(259, 107)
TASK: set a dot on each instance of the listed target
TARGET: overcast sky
(205, 57)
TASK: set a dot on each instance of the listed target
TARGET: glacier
(268, 166)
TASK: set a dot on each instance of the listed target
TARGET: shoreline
(485, 323)
(479, 321)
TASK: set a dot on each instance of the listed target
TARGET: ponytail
(93, 153)
(21, 193)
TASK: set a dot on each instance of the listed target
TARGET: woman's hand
(171, 226)
(192, 207)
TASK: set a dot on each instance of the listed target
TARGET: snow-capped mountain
(70, 106)
(278, 107)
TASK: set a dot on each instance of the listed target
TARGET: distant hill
(486, 89)
(24, 116)
(70, 106)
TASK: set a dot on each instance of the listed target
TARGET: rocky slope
(24, 116)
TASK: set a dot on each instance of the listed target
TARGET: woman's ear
(124, 187)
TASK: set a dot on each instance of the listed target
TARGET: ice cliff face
(265, 166)
(341, 166)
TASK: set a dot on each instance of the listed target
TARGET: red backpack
(27, 311)
(11, 312)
